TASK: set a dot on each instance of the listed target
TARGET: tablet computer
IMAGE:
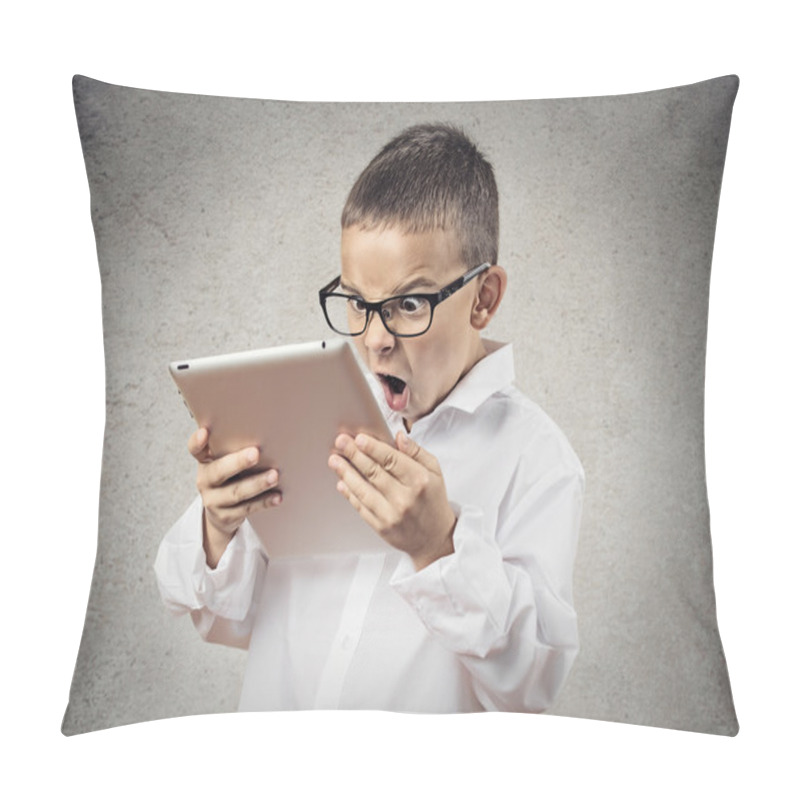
(291, 401)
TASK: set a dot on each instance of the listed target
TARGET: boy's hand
(228, 497)
(398, 492)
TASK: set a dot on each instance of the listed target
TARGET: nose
(376, 338)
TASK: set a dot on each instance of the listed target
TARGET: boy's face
(422, 370)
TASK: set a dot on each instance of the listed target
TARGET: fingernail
(272, 477)
(361, 440)
(275, 500)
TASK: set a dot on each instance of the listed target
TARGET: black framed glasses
(404, 315)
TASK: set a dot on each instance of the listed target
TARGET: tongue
(397, 402)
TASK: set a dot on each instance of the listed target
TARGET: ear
(490, 293)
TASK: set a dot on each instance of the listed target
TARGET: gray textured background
(216, 221)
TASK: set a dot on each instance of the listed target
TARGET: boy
(472, 609)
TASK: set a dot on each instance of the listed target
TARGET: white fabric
(489, 627)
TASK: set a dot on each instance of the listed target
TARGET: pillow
(216, 219)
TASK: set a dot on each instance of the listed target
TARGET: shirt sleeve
(221, 601)
(503, 600)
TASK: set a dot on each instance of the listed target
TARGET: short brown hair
(430, 177)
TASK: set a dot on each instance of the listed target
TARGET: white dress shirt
(489, 627)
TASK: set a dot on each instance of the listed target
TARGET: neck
(478, 353)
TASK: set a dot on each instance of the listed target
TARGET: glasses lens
(407, 316)
(345, 315)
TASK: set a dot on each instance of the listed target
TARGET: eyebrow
(413, 285)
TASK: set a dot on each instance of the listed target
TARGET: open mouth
(395, 384)
(396, 391)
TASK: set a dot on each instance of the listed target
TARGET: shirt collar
(495, 371)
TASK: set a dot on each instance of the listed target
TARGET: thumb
(405, 444)
(198, 445)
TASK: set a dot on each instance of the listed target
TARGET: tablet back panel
(291, 401)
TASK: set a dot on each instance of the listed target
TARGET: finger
(241, 491)
(372, 469)
(231, 517)
(410, 448)
(387, 457)
(390, 458)
(359, 488)
(402, 462)
(221, 470)
(364, 511)
(370, 504)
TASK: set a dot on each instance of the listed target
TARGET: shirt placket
(351, 624)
